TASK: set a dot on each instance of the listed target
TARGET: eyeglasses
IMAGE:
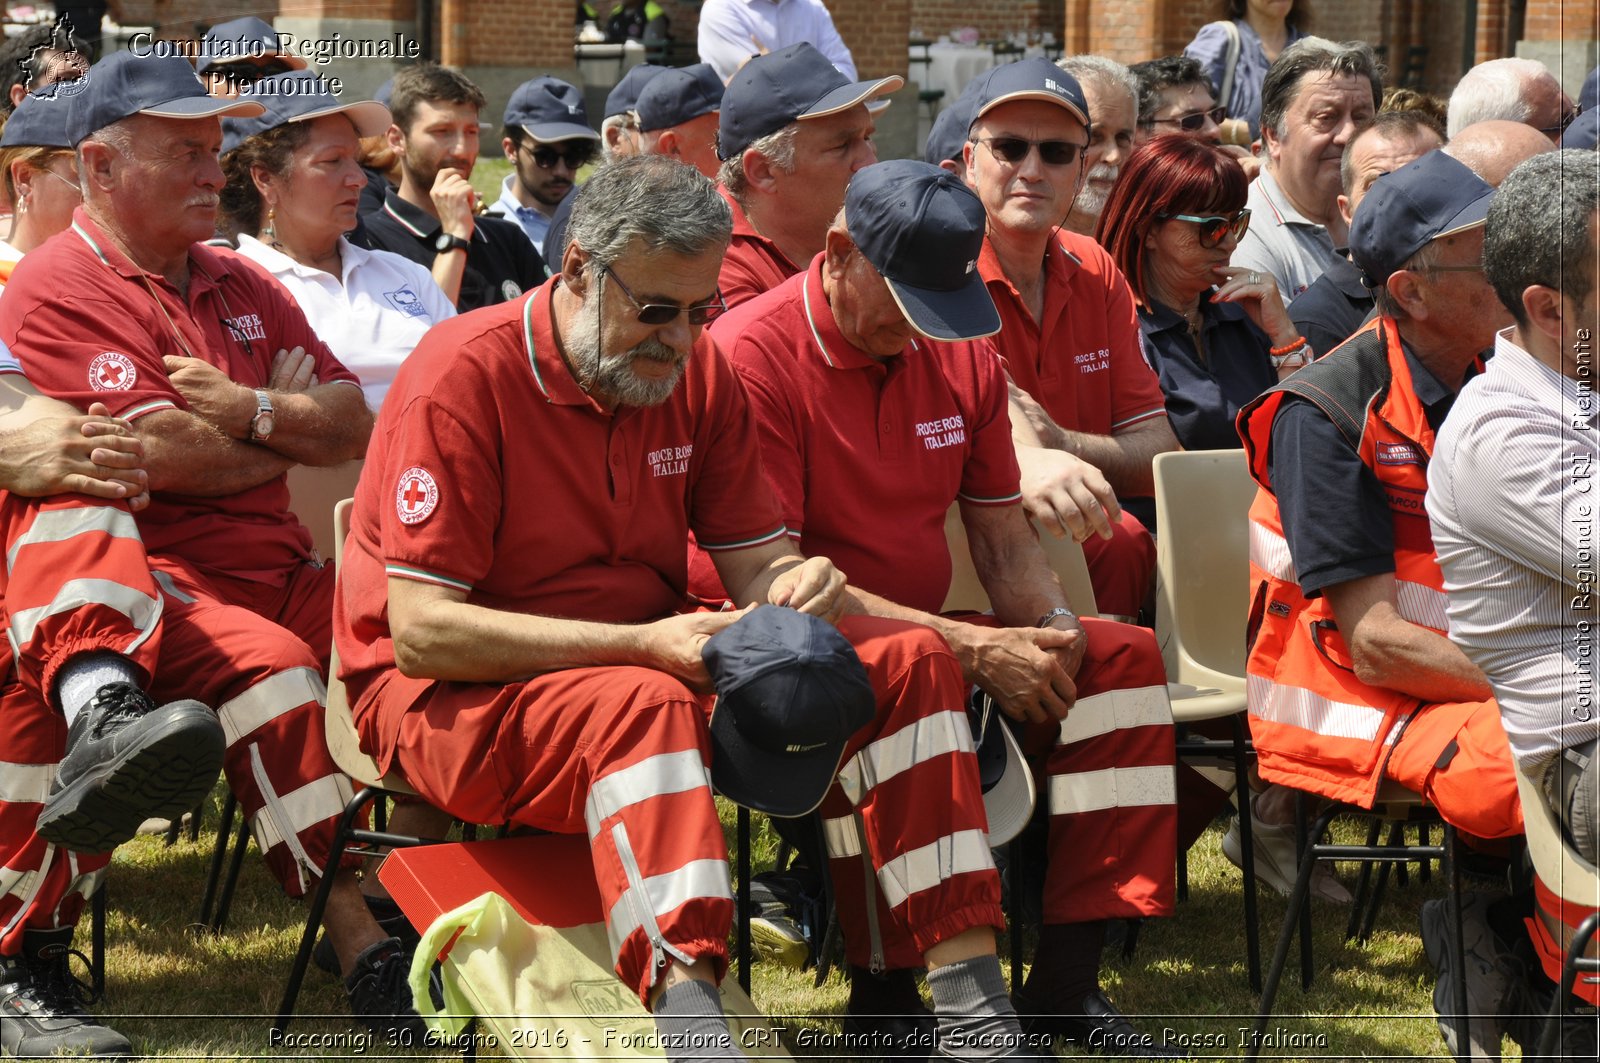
(1193, 123)
(662, 313)
(1213, 227)
(1567, 118)
(1051, 152)
(576, 157)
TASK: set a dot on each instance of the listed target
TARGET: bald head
(1493, 149)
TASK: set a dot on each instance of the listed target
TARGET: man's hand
(94, 454)
(292, 371)
(454, 200)
(675, 644)
(212, 396)
(1029, 671)
(1066, 494)
(814, 586)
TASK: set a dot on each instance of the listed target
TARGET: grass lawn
(184, 995)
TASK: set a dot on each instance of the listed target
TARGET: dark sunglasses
(1213, 227)
(1051, 152)
(662, 313)
(248, 73)
(1193, 123)
(1566, 119)
(576, 158)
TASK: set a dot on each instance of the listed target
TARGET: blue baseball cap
(1584, 132)
(384, 92)
(549, 109)
(300, 96)
(678, 96)
(952, 124)
(625, 96)
(1403, 211)
(125, 84)
(788, 85)
(36, 123)
(1589, 95)
(922, 228)
(242, 40)
(790, 693)
(1030, 79)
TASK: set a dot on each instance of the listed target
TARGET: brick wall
(936, 17)
(178, 18)
(875, 33)
(1561, 20)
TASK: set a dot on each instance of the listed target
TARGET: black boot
(128, 761)
(885, 1018)
(41, 1003)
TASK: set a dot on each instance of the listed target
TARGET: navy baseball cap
(1431, 197)
(793, 83)
(242, 40)
(678, 96)
(166, 86)
(950, 128)
(549, 109)
(625, 96)
(300, 96)
(1030, 79)
(384, 92)
(1589, 95)
(922, 228)
(36, 123)
(1584, 132)
(790, 693)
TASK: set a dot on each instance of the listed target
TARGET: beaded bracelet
(1290, 347)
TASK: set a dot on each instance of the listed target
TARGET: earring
(270, 230)
(22, 205)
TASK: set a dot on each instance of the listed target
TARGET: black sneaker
(380, 994)
(1495, 977)
(41, 1004)
(1094, 1025)
(128, 761)
(390, 919)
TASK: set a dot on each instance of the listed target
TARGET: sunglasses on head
(1213, 227)
(576, 157)
(1051, 152)
(1193, 123)
(662, 313)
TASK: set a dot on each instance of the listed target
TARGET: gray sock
(80, 679)
(692, 1026)
(976, 1019)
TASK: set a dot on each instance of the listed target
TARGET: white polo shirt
(371, 320)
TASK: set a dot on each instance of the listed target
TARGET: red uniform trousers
(1123, 567)
(1553, 924)
(78, 580)
(621, 753)
(1105, 774)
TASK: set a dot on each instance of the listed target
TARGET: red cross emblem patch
(112, 372)
(416, 495)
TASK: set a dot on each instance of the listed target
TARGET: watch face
(263, 425)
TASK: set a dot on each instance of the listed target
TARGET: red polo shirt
(866, 456)
(90, 326)
(1082, 362)
(753, 263)
(492, 472)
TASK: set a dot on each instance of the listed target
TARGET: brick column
(877, 34)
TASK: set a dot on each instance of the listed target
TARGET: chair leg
(830, 931)
(1183, 876)
(1424, 866)
(1303, 846)
(1569, 975)
(742, 941)
(224, 903)
(97, 939)
(1252, 923)
(214, 875)
(1397, 838)
(1363, 883)
(1452, 855)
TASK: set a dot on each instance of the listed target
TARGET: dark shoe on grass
(42, 1004)
(380, 995)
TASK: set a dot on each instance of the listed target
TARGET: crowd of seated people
(751, 366)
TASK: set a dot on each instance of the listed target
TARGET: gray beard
(1091, 200)
(612, 378)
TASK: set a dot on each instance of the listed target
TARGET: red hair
(1174, 173)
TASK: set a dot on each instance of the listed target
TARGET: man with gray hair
(1316, 97)
(1517, 90)
(1513, 513)
(1112, 93)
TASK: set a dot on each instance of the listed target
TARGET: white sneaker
(1273, 848)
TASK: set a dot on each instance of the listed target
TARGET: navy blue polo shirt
(1334, 513)
(1204, 399)
(1334, 308)
(501, 264)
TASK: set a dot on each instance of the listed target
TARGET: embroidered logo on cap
(112, 372)
(416, 495)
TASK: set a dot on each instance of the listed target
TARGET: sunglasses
(576, 158)
(1213, 227)
(1566, 119)
(1051, 152)
(1193, 123)
(662, 313)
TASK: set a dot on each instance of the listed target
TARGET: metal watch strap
(263, 406)
(1060, 610)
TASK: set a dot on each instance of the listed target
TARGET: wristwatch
(1058, 611)
(262, 423)
(445, 242)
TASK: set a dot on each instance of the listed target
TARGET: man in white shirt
(731, 31)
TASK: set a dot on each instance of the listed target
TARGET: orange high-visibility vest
(1315, 725)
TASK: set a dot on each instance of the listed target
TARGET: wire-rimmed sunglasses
(663, 313)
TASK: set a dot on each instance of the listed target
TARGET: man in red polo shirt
(1088, 412)
(872, 423)
(534, 475)
(792, 131)
(213, 592)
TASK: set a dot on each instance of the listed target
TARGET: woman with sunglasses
(41, 177)
(1216, 335)
(294, 182)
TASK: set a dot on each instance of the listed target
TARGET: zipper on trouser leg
(643, 911)
(274, 808)
(874, 935)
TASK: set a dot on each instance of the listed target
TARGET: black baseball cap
(625, 96)
(242, 40)
(37, 123)
(166, 86)
(788, 85)
(950, 128)
(678, 96)
(300, 96)
(790, 693)
(1030, 79)
(922, 228)
(549, 109)
(1403, 211)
